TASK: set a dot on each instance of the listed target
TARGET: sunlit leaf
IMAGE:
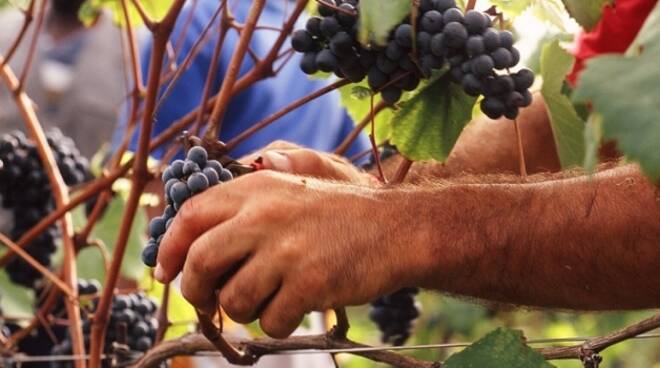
(586, 13)
(378, 18)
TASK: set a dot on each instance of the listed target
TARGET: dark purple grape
(179, 193)
(432, 22)
(527, 99)
(157, 227)
(376, 79)
(302, 41)
(308, 63)
(523, 79)
(349, 16)
(493, 107)
(393, 51)
(455, 35)
(391, 94)
(190, 167)
(506, 39)
(226, 175)
(452, 15)
(482, 66)
(475, 46)
(197, 183)
(443, 5)
(386, 65)
(198, 155)
(326, 61)
(438, 47)
(313, 26)
(403, 35)
(491, 39)
(502, 58)
(330, 26)
(211, 175)
(177, 168)
(471, 85)
(476, 22)
(514, 100)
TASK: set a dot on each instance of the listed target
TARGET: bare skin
(279, 245)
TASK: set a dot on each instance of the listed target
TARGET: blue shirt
(321, 124)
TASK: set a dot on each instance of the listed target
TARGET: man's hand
(278, 246)
(290, 158)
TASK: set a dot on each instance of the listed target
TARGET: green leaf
(357, 101)
(378, 18)
(512, 8)
(552, 11)
(567, 126)
(625, 90)
(89, 261)
(586, 13)
(593, 136)
(156, 9)
(499, 349)
(429, 124)
(15, 300)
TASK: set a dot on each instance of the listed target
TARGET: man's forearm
(571, 243)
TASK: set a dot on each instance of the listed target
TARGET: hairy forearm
(575, 243)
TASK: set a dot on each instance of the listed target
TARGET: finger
(214, 254)
(277, 145)
(199, 214)
(248, 290)
(283, 314)
(305, 162)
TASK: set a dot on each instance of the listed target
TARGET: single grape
(179, 193)
(376, 79)
(438, 47)
(348, 17)
(302, 41)
(167, 175)
(455, 35)
(308, 63)
(432, 22)
(409, 83)
(198, 155)
(211, 175)
(215, 165)
(498, 85)
(197, 183)
(190, 167)
(492, 107)
(326, 11)
(443, 5)
(140, 329)
(391, 94)
(502, 58)
(342, 44)
(482, 65)
(403, 35)
(491, 39)
(523, 79)
(424, 41)
(514, 100)
(386, 65)
(330, 26)
(471, 85)
(313, 26)
(326, 61)
(527, 99)
(176, 168)
(506, 39)
(515, 57)
(511, 113)
(452, 15)
(475, 46)
(456, 74)
(406, 63)
(367, 58)
(393, 51)
(157, 227)
(476, 22)
(226, 175)
(355, 74)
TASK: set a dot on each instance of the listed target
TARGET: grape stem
(521, 149)
(471, 4)
(28, 16)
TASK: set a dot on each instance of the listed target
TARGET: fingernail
(159, 274)
(277, 161)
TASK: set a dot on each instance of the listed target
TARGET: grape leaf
(156, 9)
(593, 135)
(15, 300)
(512, 8)
(428, 125)
(625, 90)
(499, 349)
(567, 126)
(357, 101)
(586, 13)
(378, 18)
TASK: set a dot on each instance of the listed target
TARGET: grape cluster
(183, 179)
(132, 322)
(40, 340)
(26, 192)
(395, 315)
(477, 55)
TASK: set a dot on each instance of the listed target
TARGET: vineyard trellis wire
(144, 102)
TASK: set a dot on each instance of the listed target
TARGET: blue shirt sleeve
(321, 124)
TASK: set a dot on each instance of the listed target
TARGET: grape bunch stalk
(443, 37)
(26, 193)
(183, 179)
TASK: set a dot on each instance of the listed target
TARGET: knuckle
(236, 304)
